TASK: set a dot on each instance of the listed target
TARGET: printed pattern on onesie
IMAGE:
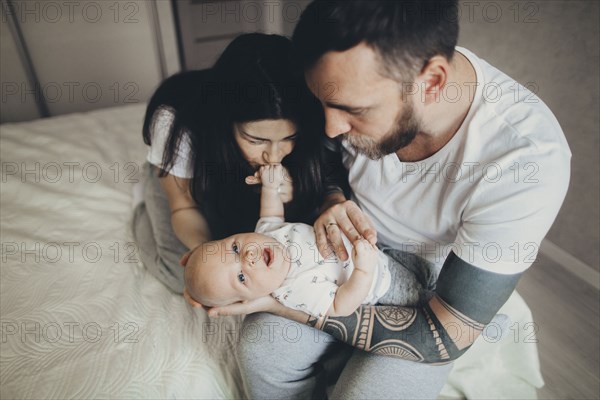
(313, 281)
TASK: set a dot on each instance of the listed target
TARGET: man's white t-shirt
(490, 194)
(313, 281)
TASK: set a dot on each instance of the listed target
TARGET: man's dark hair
(405, 34)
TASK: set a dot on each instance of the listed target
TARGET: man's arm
(466, 300)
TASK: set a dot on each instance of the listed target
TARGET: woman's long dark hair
(252, 80)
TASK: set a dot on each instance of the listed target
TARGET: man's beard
(403, 132)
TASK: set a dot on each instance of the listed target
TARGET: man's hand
(275, 176)
(191, 301)
(364, 255)
(262, 304)
(342, 218)
(266, 304)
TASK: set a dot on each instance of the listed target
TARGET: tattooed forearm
(312, 321)
(410, 333)
(440, 331)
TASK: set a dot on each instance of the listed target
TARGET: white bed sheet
(81, 318)
(84, 319)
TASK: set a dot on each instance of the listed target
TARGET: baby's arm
(351, 294)
(271, 176)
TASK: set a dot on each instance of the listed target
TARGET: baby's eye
(235, 248)
(241, 277)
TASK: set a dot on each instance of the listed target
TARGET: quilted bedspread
(81, 318)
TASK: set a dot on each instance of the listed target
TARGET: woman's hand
(285, 186)
(262, 304)
(342, 218)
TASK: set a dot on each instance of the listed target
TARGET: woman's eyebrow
(266, 140)
(253, 137)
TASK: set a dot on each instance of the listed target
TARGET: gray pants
(413, 279)
(288, 360)
(158, 246)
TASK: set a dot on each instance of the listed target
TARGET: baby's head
(241, 267)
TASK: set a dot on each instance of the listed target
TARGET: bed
(80, 316)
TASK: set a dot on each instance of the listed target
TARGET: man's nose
(335, 123)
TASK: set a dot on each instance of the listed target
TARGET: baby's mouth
(268, 256)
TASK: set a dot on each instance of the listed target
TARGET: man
(447, 158)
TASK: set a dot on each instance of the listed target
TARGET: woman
(209, 131)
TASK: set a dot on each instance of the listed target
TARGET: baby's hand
(364, 255)
(285, 189)
(272, 175)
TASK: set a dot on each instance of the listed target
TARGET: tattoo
(471, 323)
(396, 318)
(466, 299)
(385, 330)
(312, 321)
(363, 334)
(491, 290)
(441, 349)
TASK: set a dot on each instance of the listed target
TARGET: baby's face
(241, 267)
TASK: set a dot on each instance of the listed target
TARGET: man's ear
(434, 77)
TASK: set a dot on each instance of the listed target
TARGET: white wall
(87, 54)
(208, 27)
(15, 104)
(552, 44)
(553, 47)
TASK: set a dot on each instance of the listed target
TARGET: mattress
(80, 316)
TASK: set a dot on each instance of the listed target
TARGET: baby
(282, 260)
